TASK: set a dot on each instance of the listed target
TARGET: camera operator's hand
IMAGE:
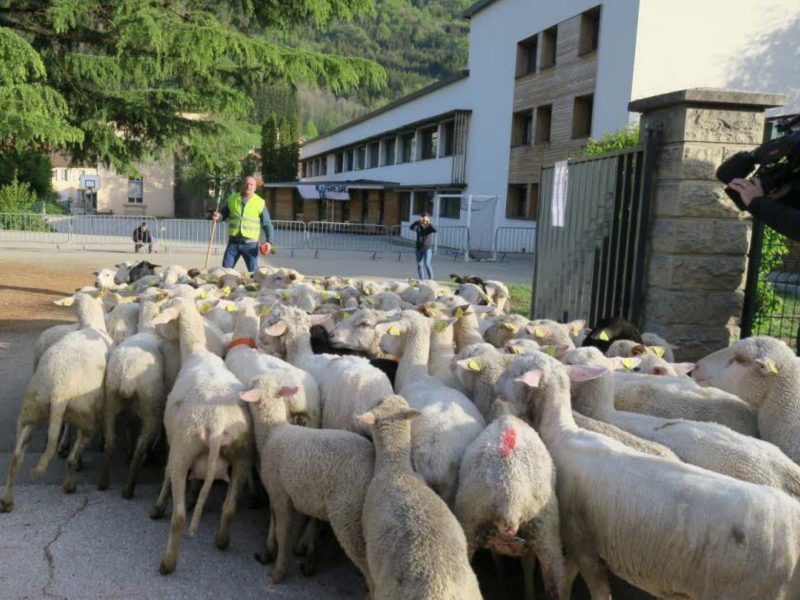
(747, 189)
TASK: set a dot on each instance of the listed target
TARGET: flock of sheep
(423, 423)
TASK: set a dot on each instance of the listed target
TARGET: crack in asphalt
(48, 555)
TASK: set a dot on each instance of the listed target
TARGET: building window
(549, 43)
(450, 208)
(339, 163)
(361, 155)
(304, 169)
(590, 31)
(544, 119)
(522, 202)
(582, 116)
(407, 147)
(388, 151)
(404, 199)
(374, 152)
(429, 142)
(423, 200)
(135, 190)
(522, 124)
(449, 133)
(527, 51)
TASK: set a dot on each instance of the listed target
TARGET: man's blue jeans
(424, 262)
(247, 250)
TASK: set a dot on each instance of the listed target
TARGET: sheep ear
(531, 379)
(367, 418)
(441, 324)
(660, 370)
(165, 317)
(286, 391)
(300, 419)
(769, 365)
(95, 272)
(659, 351)
(639, 349)
(276, 330)
(574, 327)
(580, 373)
(253, 395)
(409, 414)
(68, 301)
(319, 319)
(625, 363)
(470, 364)
(603, 336)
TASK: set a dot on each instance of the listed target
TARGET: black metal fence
(590, 243)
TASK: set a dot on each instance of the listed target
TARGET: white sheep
(765, 373)
(449, 420)
(246, 362)
(681, 398)
(321, 473)
(707, 445)
(348, 385)
(415, 546)
(66, 388)
(670, 529)
(207, 430)
(506, 500)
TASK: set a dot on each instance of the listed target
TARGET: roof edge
(476, 8)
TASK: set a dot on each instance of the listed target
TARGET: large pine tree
(120, 81)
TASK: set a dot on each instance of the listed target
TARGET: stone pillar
(697, 251)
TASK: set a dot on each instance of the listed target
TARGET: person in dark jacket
(141, 236)
(781, 211)
(425, 230)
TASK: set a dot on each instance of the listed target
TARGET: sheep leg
(309, 540)
(81, 441)
(147, 436)
(56, 419)
(594, 573)
(64, 442)
(285, 518)
(160, 507)
(177, 476)
(214, 445)
(111, 409)
(528, 573)
(548, 549)
(24, 434)
(238, 479)
(194, 491)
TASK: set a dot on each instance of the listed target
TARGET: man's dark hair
(144, 223)
(425, 213)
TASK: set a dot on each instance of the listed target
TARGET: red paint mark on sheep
(508, 441)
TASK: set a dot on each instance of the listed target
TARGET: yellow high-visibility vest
(245, 222)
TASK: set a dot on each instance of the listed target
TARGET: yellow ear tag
(550, 351)
(285, 294)
(514, 349)
(394, 330)
(231, 308)
(202, 295)
(440, 326)
(325, 295)
(68, 301)
(603, 336)
(459, 312)
(575, 330)
(509, 327)
(226, 291)
(772, 367)
(659, 351)
(473, 365)
(264, 312)
(347, 314)
(205, 307)
(628, 363)
(129, 288)
(538, 332)
(367, 291)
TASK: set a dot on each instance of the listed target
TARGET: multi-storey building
(543, 77)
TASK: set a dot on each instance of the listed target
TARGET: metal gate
(591, 236)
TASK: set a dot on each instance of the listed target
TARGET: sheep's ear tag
(231, 308)
(659, 351)
(129, 288)
(325, 295)
(347, 314)
(440, 326)
(205, 307)
(770, 365)
(264, 312)
(550, 350)
(226, 291)
(474, 365)
(203, 295)
(513, 349)
(538, 332)
(459, 312)
(509, 327)
(67, 302)
(603, 336)
(394, 330)
(629, 363)
(285, 294)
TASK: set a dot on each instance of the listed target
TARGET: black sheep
(610, 329)
(321, 344)
(143, 269)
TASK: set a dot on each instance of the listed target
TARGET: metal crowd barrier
(513, 240)
(290, 235)
(31, 227)
(347, 237)
(108, 229)
(181, 233)
(448, 240)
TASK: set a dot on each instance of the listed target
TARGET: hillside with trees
(415, 41)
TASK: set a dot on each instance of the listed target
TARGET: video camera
(778, 160)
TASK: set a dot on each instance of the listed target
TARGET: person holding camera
(141, 236)
(424, 247)
(772, 209)
(246, 212)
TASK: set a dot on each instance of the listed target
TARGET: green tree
(120, 81)
(280, 148)
(613, 141)
(29, 166)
